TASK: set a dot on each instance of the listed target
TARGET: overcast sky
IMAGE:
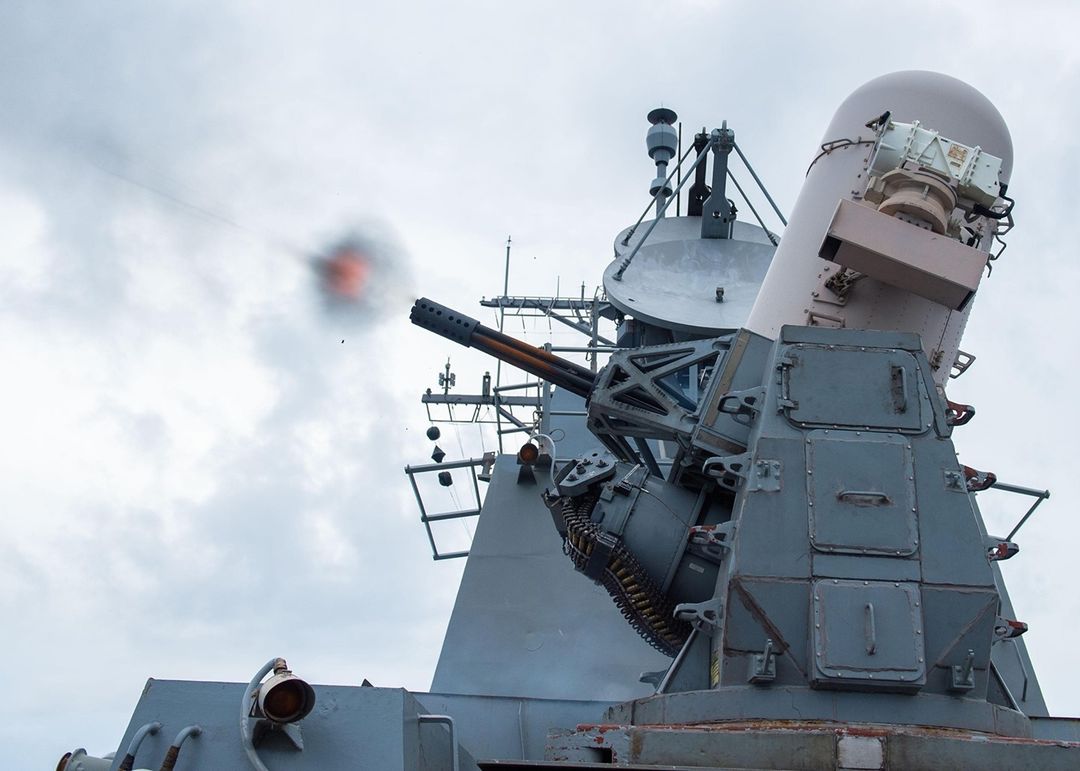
(197, 474)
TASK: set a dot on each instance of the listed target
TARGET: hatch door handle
(863, 498)
(899, 385)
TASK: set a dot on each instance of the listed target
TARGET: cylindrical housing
(791, 292)
(662, 140)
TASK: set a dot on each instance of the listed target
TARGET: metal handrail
(427, 519)
(1038, 495)
(449, 723)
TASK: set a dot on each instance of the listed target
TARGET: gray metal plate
(873, 388)
(672, 280)
(525, 623)
(861, 492)
(868, 631)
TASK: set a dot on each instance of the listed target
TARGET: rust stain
(751, 604)
(601, 727)
(636, 733)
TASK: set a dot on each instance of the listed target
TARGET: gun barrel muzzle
(471, 333)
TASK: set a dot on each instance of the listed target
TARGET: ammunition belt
(605, 558)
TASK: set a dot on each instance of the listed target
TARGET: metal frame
(714, 140)
(427, 519)
(548, 306)
(582, 314)
(1038, 495)
(503, 405)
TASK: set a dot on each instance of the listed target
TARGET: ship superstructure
(738, 535)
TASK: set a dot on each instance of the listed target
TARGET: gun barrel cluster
(472, 334)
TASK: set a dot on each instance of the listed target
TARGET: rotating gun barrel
(472, 334)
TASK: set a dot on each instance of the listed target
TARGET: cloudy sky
(197, 474)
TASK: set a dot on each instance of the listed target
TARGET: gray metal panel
(1012, 662)
(780, 703)
(763, 609)
(952, 540)
(371, 728)
(525, 623)
(806, 747)
(868, 631)
(771, 535)
(1062, 729)
(673, 279)
(510, 728)
(656, 533)
(865, 567)
(819, 385)
(973, 609)
(854, 508)
(563, 421)
(905, 341)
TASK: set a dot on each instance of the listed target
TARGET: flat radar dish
(685, 283)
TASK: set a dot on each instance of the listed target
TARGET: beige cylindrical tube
(791, 292)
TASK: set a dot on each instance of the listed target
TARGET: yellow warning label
(957, 154)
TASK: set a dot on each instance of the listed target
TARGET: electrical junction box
(975, 173)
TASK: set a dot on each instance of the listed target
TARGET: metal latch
(763, 667)
(963, 675)
(765, 475)
(898, 386)
(863, 498)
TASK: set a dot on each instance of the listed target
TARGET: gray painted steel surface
(855, 580)
(804, 746)
(525, 624)
(673, 279)
(376, 728)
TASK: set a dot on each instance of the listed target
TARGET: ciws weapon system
(759, 489)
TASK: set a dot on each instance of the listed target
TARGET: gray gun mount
(815, 538)
(699, 395)
(848, 551)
